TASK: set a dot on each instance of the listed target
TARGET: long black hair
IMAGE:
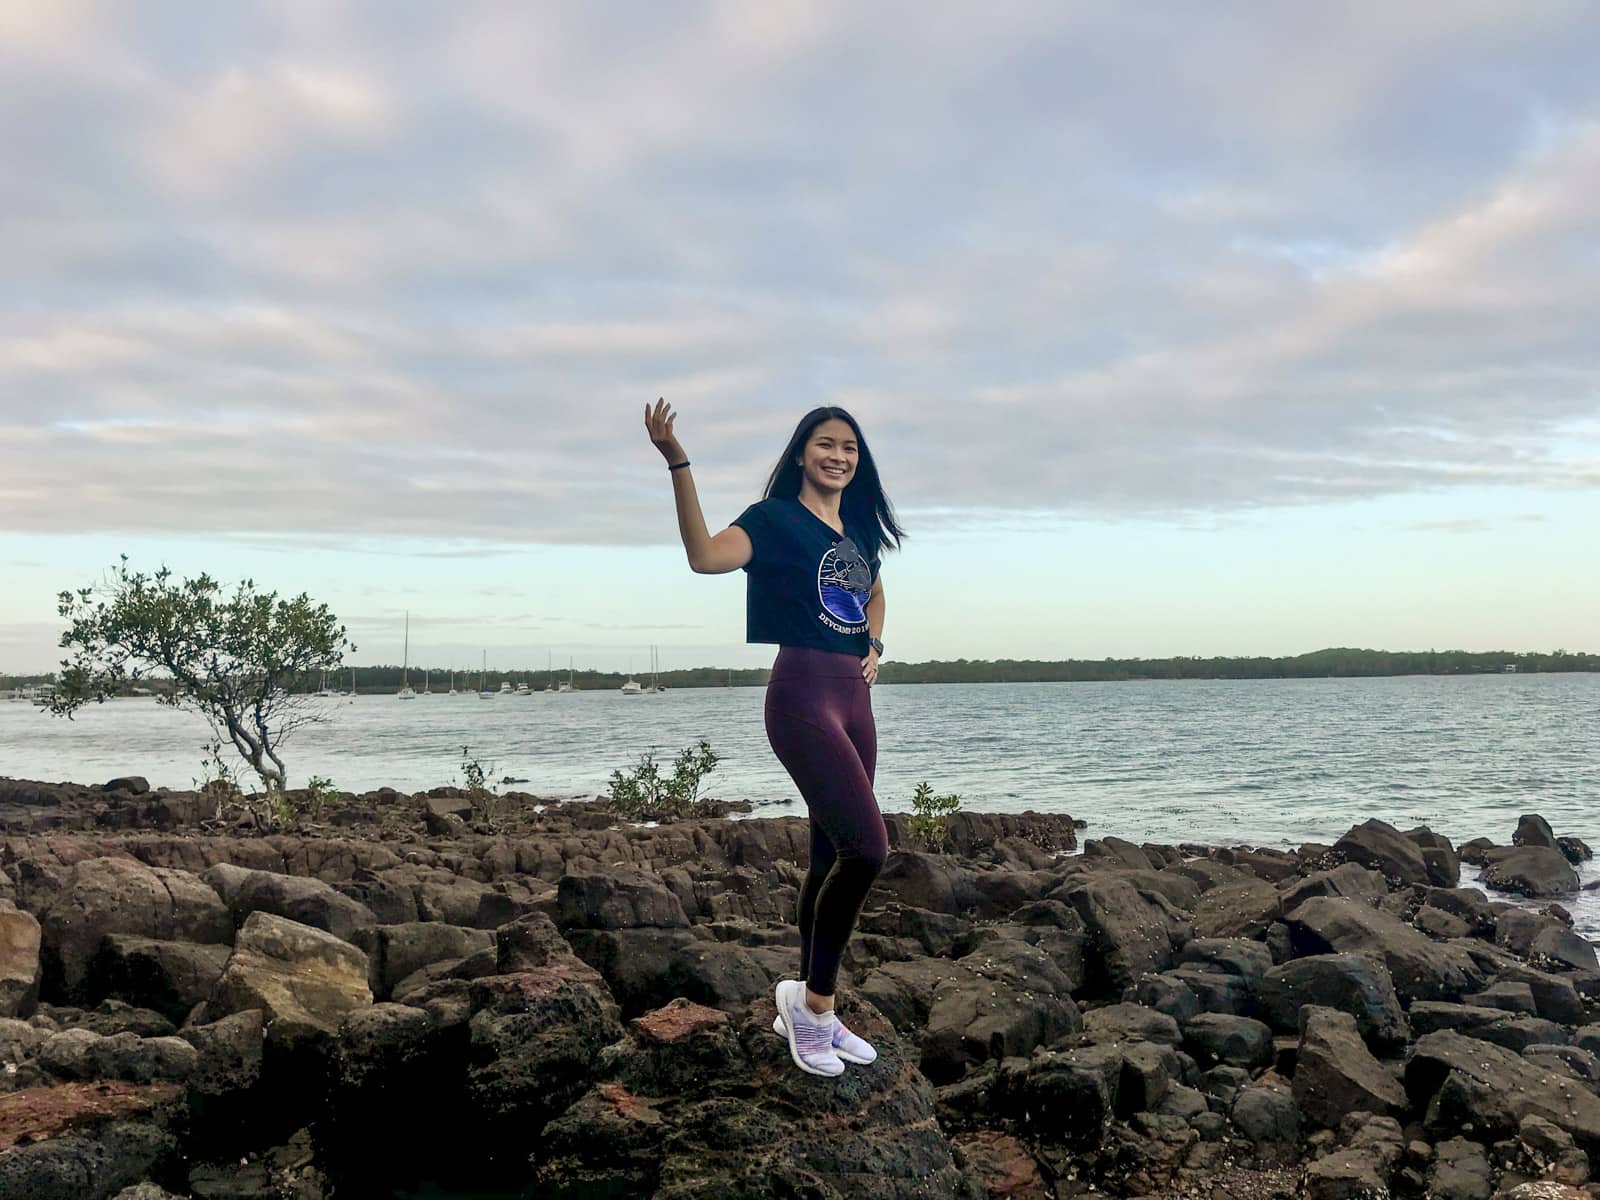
(864, 507)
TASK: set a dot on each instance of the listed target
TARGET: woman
(811, 550)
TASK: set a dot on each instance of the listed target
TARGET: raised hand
(658, 421)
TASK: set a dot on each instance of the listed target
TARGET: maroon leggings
(819, 721)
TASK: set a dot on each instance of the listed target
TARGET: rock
(1237, 910)
(645, 968)
(100, 896)
(19, 961)
(1346, 1175)
(1534, 830)
(1221, 1038)
(1335, 1074)
(111, 1017)
(1217, 992)
(1443, 863)
(1588, 1038)
(304, 901)
(396, 951)
(1460, 1171)
(303, 979)
(168, 977)
(750, 1125)
(1511, 997)
(1350, 880)
(937, 933)
(1130, 1022)
(78, 1054)
(230, 1054)
(134, 785)
(145, 1191)
(1421, 969)
(1471, 905)
(1514, 1031)
(1575, 850)
(1581, 1064)
(1383, 848)
(1463, 1081)
(1265, 1114)
(1233, 956)
(618, 899)
(1128, 933)
(1117, 849)
(1536, 871)
(1003, 1166)
(1074, 1093)
(1163, 993)
(1440, 925)
(83, 1141)
(1555, 944)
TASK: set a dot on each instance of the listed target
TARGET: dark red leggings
(819, 721)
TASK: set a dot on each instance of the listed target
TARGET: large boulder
(19, 961)
(1473, 1086)
(305, 901)
(168, 977)
(621, 898)
(304, 980)
(1421, 968)
(1350, 880)
(78, 1054)
(1383, 848)
(99, 896)
(1128, 932)
(396, 951)
(1005, 998)
(1237, 910)
(1335, 1074)
(1444, 864)
(1353, 983)
(646, 967)
(1534, 830)
(697, 1105)
(1535, 871)
(85, 1141)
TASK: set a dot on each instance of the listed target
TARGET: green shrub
(644, 794)
(930, 817)
(487, 804)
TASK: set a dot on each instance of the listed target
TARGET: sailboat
(483, 692)
(452, 681)
(427, 690)
(352, 683)
(325, 691)
(406, 692)
(632, 687)
(550, 670)
(655, 674)
(567, 686)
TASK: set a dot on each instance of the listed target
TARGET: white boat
(523, 689)
(452, 681)
(325, 691)
(505, 687)
(632, 688)
(426, 689)
(655, 675)
(352, 692)
(406, 692)
(567, 685)
(484, 693)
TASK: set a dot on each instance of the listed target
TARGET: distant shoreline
(1336, 663)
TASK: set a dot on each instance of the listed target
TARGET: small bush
(486, 802)
(644, 794)
(930, 817)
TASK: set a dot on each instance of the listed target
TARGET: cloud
(356, 272)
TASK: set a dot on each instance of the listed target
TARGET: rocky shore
(416, 992)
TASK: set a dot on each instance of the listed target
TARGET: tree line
(1333, 663)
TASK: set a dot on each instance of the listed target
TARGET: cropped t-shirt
(806, 584)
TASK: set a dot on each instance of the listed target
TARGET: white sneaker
(810, 1036)
(846, 1045)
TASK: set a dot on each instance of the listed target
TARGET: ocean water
(1268, 763)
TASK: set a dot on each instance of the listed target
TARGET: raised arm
(728, 550)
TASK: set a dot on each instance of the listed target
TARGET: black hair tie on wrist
(678, 466)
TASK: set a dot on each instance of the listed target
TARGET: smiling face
(830, 456)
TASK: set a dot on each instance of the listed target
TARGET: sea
(1227, 762)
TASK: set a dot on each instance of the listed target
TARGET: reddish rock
(677, 1020)
(1002, 1165)
(39, 1114)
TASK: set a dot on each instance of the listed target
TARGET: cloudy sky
(1174, 328)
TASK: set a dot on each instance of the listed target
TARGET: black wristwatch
(876, 645)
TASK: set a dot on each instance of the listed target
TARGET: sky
(1173, 329)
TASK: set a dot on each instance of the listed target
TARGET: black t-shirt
(807, 585)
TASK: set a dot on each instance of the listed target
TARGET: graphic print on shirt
(844, 582)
